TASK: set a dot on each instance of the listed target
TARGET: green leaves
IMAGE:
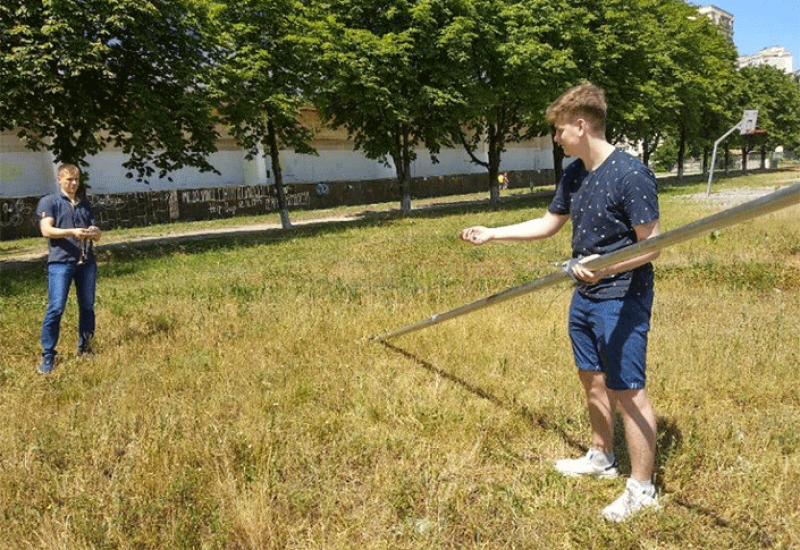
(261, 70)
(80, 76)
(506, 64)
(776, 95)
(385, 80)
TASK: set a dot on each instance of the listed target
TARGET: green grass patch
(236, 401)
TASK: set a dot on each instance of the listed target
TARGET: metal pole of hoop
(745, 126)
(765, 205)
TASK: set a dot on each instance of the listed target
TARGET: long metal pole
(758, 207)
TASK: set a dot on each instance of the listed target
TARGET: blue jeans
(59, 279)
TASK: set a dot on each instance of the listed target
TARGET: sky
(763, 23)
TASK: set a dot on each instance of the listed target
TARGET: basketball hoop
(746, 126)
(748, 123)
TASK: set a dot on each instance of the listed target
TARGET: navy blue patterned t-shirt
(605, 205)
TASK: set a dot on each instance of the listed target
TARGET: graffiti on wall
(233, 201)
(134, 209)
(16, 212)
(142, 209)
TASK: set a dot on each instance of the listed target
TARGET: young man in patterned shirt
(612, 200)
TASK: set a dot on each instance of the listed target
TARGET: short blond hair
(585, 101)
(71, 168)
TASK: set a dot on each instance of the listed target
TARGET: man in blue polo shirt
(67, 221)
(612, 200)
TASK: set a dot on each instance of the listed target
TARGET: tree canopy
(78, 76)
(504, 62)
(155, 78)
(261, 70)
(776, 95)
(383, 81)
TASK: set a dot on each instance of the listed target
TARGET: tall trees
(699, 78)
(505, 63)
(776, 95)
(262, 66)
(77, 76)
(383, 82)
(616, 44)
(608, 41)
(667, 71)
(638, 42)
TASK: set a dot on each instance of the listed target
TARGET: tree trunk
(681, 153)
(494, 172)
(405, 201)
(495, 151)
(763, 157)
(646, 152)
(402, 163)
(276, 168)
(727, 159)
(492, 165)
(558, 161)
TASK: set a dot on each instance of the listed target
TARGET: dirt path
(733, 197)
(28, 257)
(726, 199)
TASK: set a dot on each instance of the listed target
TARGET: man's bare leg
(601, 410)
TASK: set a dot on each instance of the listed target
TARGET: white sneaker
(593, 463)
(634, 499)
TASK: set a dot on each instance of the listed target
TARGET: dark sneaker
(47, 365)
(85, 347)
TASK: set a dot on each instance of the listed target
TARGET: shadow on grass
(536, 420)
(670, 441)
(23, 278)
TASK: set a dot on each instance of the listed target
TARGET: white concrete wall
(536, 154)
(107, 174)
(27, 173)
(451, 161)
(331, 165)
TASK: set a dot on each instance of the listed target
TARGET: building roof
(712, 7)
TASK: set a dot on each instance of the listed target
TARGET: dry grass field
(236, 401)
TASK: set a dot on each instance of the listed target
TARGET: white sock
(604, 459)
(647, 486)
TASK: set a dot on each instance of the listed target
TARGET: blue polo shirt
(65, 216)
(605, 205)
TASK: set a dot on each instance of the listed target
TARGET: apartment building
(776, 56)
(720, 17)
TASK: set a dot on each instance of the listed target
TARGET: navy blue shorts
(610, 336)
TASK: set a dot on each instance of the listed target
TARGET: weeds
(235, 403)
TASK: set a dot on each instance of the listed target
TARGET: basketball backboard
(748, 123)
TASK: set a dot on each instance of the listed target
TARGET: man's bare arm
(539, 228)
